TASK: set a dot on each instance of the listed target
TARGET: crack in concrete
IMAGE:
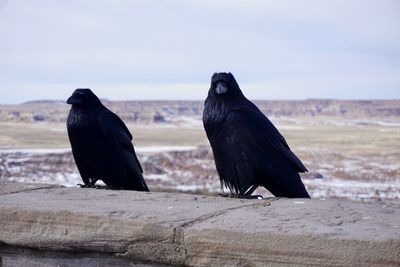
(179, 232)
(30, 190)
(217, 213)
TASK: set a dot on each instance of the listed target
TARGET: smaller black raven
(101, 144)
(248, 150)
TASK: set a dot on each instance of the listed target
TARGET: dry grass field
(16, 135)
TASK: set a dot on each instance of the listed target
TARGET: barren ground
(348, 158)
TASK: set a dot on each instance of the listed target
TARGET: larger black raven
(248, 150)
(101, 144)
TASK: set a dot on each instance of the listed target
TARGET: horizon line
(200, 100)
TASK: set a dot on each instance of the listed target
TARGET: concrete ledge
(183, 229)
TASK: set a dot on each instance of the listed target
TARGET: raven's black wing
(249, 150)
(265, 133)
(118, 134)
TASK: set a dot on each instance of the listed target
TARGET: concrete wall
(192, 230)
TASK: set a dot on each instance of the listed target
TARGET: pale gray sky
(156, 49)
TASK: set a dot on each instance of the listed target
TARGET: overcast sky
(157, 49)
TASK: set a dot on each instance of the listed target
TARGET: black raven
(248, 150)
(101, 144)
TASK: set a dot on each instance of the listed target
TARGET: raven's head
(84, 97)
(224, 85)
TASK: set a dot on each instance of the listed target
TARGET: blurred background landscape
(351, 148)
(327, 73)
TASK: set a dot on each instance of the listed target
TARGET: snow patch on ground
(36, 150)
(356, 190)
(363, 122)
(186, 168)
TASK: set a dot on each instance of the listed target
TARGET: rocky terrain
(162, 111)
(194, 171)
(350, 147)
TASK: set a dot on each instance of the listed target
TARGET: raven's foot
(85, 185)
(238, 196)
(105, 187)
(253, 196)
(245, 196)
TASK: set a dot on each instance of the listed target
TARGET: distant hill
(162, 111)
(330, 107)
(43, 102)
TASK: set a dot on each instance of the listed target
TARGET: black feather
(248, 150)
(101, 144)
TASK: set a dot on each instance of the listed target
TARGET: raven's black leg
(93, 183)
(85, 185)
(88, 183)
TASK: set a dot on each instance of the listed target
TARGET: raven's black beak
(221, 89)
(74, 100)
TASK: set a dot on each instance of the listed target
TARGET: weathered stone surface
(10, 188)
(298, 232)
(200, 231)
(141, 225)
(14, 257)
